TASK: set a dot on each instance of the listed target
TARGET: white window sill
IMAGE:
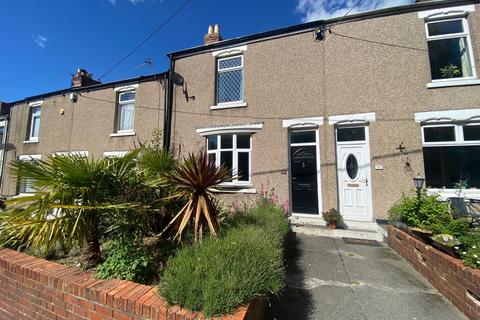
(122, 134)
(239, 104)
(31, 141)
(447, 193)
(235, 189)
(453, 83)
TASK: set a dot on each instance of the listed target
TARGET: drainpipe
(4, 149)
(167, 119)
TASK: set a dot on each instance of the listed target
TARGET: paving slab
(331, 278)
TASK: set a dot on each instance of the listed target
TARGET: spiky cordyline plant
(194, 179)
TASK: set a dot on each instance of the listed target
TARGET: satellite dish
(177, 79)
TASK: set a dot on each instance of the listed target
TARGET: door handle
(366, 181)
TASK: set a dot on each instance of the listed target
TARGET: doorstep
(353, 229)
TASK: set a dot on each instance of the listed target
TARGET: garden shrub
(126, 261)
(221, 273)
(426, 212)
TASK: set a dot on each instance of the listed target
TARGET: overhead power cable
(346, 14)
(164, 23)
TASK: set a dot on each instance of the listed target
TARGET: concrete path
(331, 279)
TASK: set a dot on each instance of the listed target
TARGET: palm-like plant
(73, 195)
(194, 179)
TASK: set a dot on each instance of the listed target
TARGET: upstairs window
(234, 152)
(34, 122)
(230, 79)
(125, 112)
(450, 49)
(451, 153)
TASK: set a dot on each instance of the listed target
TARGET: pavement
(344, 279)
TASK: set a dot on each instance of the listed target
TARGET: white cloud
(40, 40)
(324, 9)
(113, 1)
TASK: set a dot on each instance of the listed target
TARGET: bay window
(234, 152)
(26, 184)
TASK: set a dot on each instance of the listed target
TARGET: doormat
(363, 242)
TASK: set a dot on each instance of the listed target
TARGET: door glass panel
(351, 134)
(471, 133)
(243, 169)
(226, 141)
(352, 167)
(302, 137)
(438, 134)
(243, 141)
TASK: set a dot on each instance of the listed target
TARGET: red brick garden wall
(460, 284)
(32, 288)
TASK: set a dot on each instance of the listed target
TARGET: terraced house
(338, 113)
(88, 119)
(335, 113)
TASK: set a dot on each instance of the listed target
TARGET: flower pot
(332, 225)
(422, 235)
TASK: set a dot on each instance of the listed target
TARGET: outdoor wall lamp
(418, 180)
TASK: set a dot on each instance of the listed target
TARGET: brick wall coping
(34, 288)
(457, 282)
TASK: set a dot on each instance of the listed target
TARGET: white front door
(353, 172)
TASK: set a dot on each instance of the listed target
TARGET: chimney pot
(83, 78)
(213, 34)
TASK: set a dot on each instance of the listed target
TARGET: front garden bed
(459, 283)
(36, 288)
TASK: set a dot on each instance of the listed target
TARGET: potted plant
(332, 217)
(446, 243)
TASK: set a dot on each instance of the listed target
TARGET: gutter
(94, 87)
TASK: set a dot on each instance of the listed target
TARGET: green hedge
(222, 273)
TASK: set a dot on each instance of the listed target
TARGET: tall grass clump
(221, 273)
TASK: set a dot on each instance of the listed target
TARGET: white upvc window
(451, 152)
(229, 89)
(234, 152)
(125, 112)
(26, 183)
(450, 49)
(34, 121)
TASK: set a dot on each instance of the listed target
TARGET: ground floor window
(451, 155)
(234, 152)
(26, 184)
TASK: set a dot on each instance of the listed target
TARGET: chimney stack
(213, 34)
(83, 79)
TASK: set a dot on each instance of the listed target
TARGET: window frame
(32, 116)
(458, 142)
(459, 139)
(120, 103)
(235, 151)
(465, 33)
(34, 157)
(218, 71)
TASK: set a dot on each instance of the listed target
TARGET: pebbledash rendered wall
(378, 64)
(84, 125)
(458, 283)
(33, 288)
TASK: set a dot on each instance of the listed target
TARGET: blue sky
(44, 42)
